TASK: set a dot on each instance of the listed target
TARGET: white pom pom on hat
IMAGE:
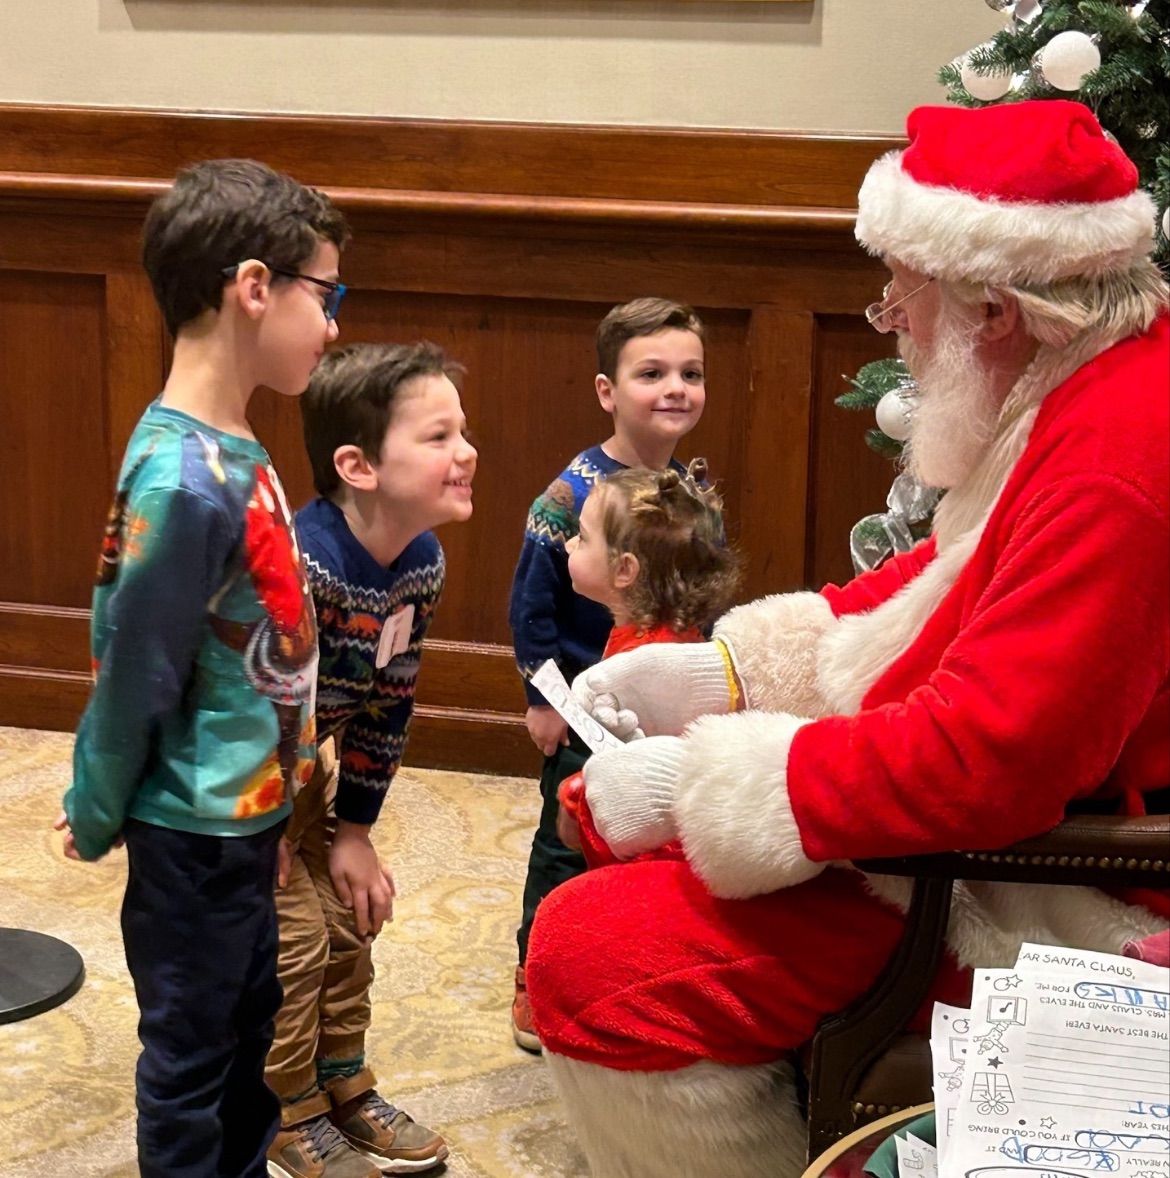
(1023, 192)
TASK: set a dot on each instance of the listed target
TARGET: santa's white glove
(631, 794)
(657, 689)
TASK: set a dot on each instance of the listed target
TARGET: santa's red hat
(1023, 192)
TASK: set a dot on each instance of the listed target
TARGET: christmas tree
(1112, 55)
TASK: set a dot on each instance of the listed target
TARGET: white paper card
(395, 636)
(549, 681)
(950, 1027)
(916, 1158)
(1068, 1070)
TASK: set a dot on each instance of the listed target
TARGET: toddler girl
(651, 549)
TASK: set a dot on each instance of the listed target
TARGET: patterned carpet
(440, 1040)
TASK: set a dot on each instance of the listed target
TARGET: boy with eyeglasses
(204, 653)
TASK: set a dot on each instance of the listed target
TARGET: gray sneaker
(315, 1149)
(387, 1136)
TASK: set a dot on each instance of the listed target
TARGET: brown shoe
(315, 1149)
(385, 1135)
(522, 1029)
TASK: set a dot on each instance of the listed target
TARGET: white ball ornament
(1067, 58)
(985, 87)
(1166, 223)
(893, 414)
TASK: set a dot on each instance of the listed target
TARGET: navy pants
(199, 926)
(550, 862)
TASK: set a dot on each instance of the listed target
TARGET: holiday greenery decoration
(873, 382)
(1112, 55)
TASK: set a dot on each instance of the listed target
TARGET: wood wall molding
(688, 166)
(504, 242)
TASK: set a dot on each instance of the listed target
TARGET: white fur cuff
(732, 807)
(773, 644)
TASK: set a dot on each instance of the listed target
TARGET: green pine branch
(1129, 93)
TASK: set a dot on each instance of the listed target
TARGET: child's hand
(546, 728)
(363, 883)
(70, 847)
(283, 862)
(570, 794)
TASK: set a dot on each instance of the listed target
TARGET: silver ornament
(1000, 5)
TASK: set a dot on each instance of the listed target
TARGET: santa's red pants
(638, 967)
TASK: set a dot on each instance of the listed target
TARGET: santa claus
(964, 695)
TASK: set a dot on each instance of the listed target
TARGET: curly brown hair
(687, 573)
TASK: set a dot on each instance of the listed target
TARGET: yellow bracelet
(729, 671)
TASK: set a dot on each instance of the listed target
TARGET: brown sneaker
(315, 1149)
(522, 1029)
(384, 1134)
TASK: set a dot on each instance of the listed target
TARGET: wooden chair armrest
(1095, 849)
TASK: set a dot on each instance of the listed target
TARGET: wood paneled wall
(504, 243)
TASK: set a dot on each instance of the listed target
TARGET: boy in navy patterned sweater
(386, 438)
(651, 381)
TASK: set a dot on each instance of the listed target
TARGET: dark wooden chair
(862, 1065)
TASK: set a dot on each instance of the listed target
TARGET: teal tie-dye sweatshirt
(204, 644)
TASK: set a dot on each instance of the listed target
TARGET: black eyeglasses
(334, 291)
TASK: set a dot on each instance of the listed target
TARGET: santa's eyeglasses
(877, 315)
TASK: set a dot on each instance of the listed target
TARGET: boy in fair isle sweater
(651, 381)
(386, 438)
(204, 652)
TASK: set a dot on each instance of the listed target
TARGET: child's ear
(604, 387)
(625, 570)
(251, 287)
(354, 468)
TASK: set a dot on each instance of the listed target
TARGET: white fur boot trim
(706, 1121)
(989, 921)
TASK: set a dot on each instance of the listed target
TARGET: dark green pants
(550, 862)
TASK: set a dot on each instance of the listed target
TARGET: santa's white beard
(955, 414)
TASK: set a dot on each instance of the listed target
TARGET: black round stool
(37, 972)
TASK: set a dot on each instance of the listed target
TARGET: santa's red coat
(962, 696)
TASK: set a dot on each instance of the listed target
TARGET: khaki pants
(324, 966)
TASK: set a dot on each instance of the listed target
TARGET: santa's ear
(354, 468)
(1001, 316)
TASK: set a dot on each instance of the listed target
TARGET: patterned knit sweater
(369, 650)
(549, 620)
